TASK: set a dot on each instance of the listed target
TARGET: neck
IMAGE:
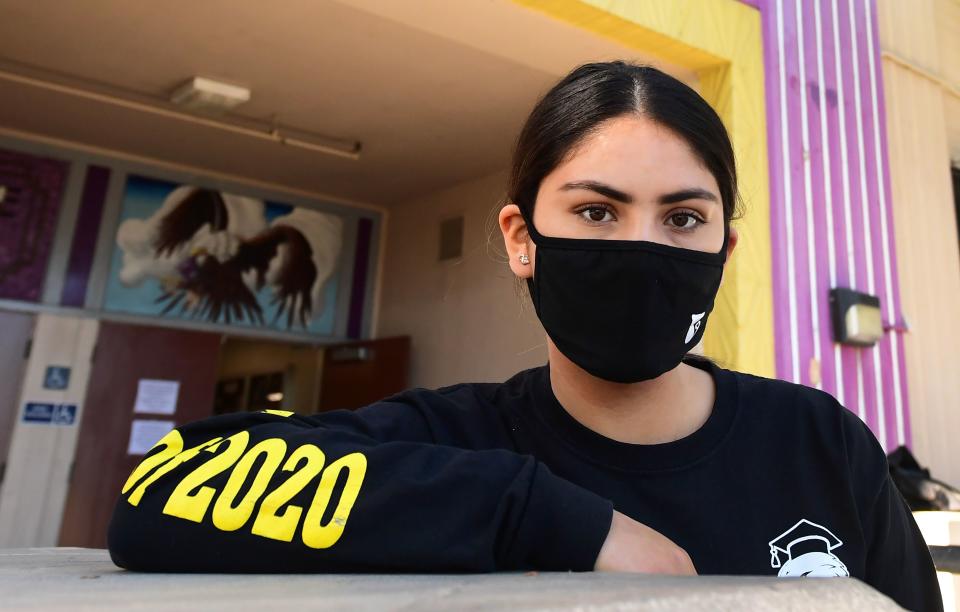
(663, 409)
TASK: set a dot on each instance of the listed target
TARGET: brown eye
(684, 221)
(596, 214)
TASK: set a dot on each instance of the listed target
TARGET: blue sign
(50, 414)
(57, 378)
(65, 414)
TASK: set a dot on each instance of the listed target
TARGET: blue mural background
(142, 197)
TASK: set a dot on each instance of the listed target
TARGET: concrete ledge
(77, 578)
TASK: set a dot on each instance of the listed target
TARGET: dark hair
(593, 93)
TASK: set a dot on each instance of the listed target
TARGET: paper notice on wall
(156, 396)
(144, 434)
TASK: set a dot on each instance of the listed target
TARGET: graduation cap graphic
(804, 537)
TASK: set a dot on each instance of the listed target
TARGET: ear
(731, 245)
(732, 241)
(516, 240)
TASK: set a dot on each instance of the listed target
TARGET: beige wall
(921, 45)
(36, 481)
(464, 316)
(947, 19)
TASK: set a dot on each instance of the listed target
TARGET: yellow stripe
(721, 41)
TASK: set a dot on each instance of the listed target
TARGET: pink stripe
(778, 231)
(848, 358)
(851, 359)
(885, 404)
(821, 260)
(907, 423)
(859, 282)
(892, 311)
(795, 89)
(864, 224)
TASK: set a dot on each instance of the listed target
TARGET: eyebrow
(692, 193)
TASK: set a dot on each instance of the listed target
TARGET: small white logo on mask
(695, 321)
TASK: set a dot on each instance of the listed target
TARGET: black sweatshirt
(478, 477)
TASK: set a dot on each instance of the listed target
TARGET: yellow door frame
(721, 41)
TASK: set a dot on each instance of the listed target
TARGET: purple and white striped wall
(831, 216)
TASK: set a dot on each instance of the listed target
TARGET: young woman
(621, 453)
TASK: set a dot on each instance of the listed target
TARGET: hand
(633, 547)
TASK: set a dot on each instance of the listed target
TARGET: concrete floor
(78, 579)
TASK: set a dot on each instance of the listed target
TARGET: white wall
(465, 318)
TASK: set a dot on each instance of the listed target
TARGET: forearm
(283, 497)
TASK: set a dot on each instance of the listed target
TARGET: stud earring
(524, 259)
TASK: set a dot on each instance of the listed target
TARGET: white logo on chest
(694, 326)
(809, 552)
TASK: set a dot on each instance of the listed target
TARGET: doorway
(303, 378)
(266, 374)
(142, 379)
(145, 380)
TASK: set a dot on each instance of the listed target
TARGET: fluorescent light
(208, 95)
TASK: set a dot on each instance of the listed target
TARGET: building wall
(721, 42)
(38, 466)
(947, 20)
(830, 217)
(466, 320)
(447, 318)
(94, 200)
(831, 211)
(920, 42)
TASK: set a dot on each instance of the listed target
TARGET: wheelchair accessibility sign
(57, 378)
(50, 414)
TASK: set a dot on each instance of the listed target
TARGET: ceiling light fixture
(209, 96)
(283, 135)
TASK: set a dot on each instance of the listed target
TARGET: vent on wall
(451, 238)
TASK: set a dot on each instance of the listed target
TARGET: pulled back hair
(593, 93)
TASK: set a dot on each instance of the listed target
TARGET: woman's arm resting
(264, 492)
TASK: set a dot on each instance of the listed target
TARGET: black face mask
(623, 310)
